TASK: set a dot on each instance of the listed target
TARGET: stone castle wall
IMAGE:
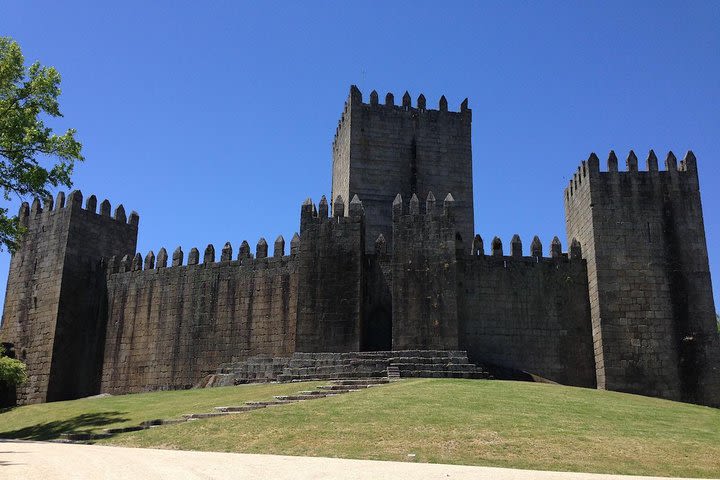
(524, 313)
(169, 327)
(527, 313)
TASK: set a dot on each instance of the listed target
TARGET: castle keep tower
(56, 290)
(381, 150)
(652, 308)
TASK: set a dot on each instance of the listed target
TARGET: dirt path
(40, 460)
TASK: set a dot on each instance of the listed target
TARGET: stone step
(153, 423)
(269, 403)
(438, 374)
(169, 421)
(362, 381)
(342, 387)
(299, 397)
(324, 364)
(458, 367)
(379, 354)
(196, 416)
(239, 408)
(134, 428)
(337, 374)
(84, 436)
(429, 360)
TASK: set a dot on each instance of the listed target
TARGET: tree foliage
(12, 372)
(32, 157)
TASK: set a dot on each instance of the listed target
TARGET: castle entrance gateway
(377, 331)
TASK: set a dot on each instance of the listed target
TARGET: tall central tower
(381, 150)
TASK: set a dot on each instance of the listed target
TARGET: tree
(12, 372)
(32, 157)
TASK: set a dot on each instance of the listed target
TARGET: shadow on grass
(52, 430)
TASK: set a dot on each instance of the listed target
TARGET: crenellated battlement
(685, 171)
(311, 214)
(428, 210)
(497, 255)
(36, 211)
(136, 263)
(355, 99)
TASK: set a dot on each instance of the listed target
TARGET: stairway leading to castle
(338, 387)
(349, 365)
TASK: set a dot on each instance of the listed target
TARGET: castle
(391, 263)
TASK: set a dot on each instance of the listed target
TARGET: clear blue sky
(214, 120)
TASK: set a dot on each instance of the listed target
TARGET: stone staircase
(399, 364)
(322, 391)
(256, 369)
(337, 366)
(335, 388)
(393, 372)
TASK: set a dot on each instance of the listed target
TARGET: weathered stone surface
(642, 235)
(55, 289)
(194, 256)
(226, 253)
(261, 249)
(536, 247)
(167, 329)
(279, 247)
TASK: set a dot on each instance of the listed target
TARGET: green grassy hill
(495, 423)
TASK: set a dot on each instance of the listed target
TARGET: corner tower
(651, 303)
(381, 150)
(56, 293)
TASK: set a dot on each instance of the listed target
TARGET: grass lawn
(48, 420)
(507, 424)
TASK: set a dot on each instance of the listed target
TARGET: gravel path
(41, 460)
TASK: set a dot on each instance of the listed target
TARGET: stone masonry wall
(330, 285)
(79, 334)
(53, 291)
(527, 313)
(33, 295)
(424, 275)
(381, 150)
(649, 281)
(169, 327)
